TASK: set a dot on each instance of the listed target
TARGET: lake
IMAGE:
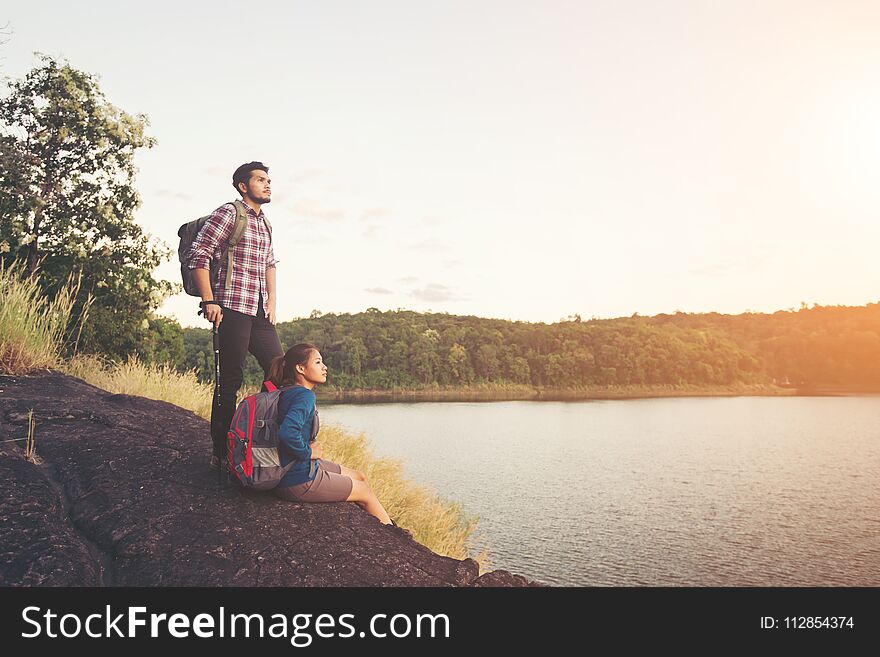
(679, 491)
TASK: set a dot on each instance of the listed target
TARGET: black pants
(239, 334)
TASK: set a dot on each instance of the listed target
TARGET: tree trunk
(32, 247)
(45, 188)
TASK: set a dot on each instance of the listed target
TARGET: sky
(509, 159)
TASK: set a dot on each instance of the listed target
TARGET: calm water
(685, 491)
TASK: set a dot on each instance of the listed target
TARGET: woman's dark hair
(243, 173)
(282, 372)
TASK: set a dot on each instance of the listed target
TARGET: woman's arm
(290, 433)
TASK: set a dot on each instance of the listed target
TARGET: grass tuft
(33, 327)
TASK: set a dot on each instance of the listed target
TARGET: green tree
(459, 365)
(424, 359)
(353, 356)
(398, 356)
(520, 372)
(487, 365)
(198, 353)
(164, 342)
(67, 199)
(555, 370)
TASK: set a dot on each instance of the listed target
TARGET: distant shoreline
(528, 393)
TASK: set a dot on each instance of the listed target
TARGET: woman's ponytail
(276, 371)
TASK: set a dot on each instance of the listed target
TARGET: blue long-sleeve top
(296, 412)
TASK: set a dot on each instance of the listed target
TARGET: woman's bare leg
(363, 495)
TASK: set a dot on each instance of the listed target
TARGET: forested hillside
(818, 346)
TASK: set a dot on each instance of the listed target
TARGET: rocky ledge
(123, 497)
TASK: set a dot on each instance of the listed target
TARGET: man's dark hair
(243, 173)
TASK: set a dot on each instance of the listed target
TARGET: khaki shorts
(329, 485)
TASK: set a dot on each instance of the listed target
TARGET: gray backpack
(188, 233)
(252, 441)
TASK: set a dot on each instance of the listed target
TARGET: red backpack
(252, 441)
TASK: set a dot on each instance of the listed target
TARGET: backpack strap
(241, 222)
(268, 386)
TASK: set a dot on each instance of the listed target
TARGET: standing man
(242, 307)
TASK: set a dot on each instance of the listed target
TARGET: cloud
(719, 269)
(728, 266)
(434, 292)
(337, 190)
(215, 170)
(430, 245)
(180, 196)
(433, 220)
(378, 290)
(449, 264)
(408, 280)
(375, 215)
(304, 175)
(313, 210)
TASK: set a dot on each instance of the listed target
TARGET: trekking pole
(216, 336)
(221, 471)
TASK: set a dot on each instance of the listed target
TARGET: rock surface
(123, 497)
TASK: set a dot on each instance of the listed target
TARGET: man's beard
(260, 199)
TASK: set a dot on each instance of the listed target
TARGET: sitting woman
(312, 478)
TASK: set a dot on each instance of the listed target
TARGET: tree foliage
(821, 346)
(67, 200)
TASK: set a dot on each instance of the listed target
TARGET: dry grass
(32, 327)
(30, 446)
(441, 525)
(134, 377)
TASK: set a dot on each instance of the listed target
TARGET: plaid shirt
(251, 257)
